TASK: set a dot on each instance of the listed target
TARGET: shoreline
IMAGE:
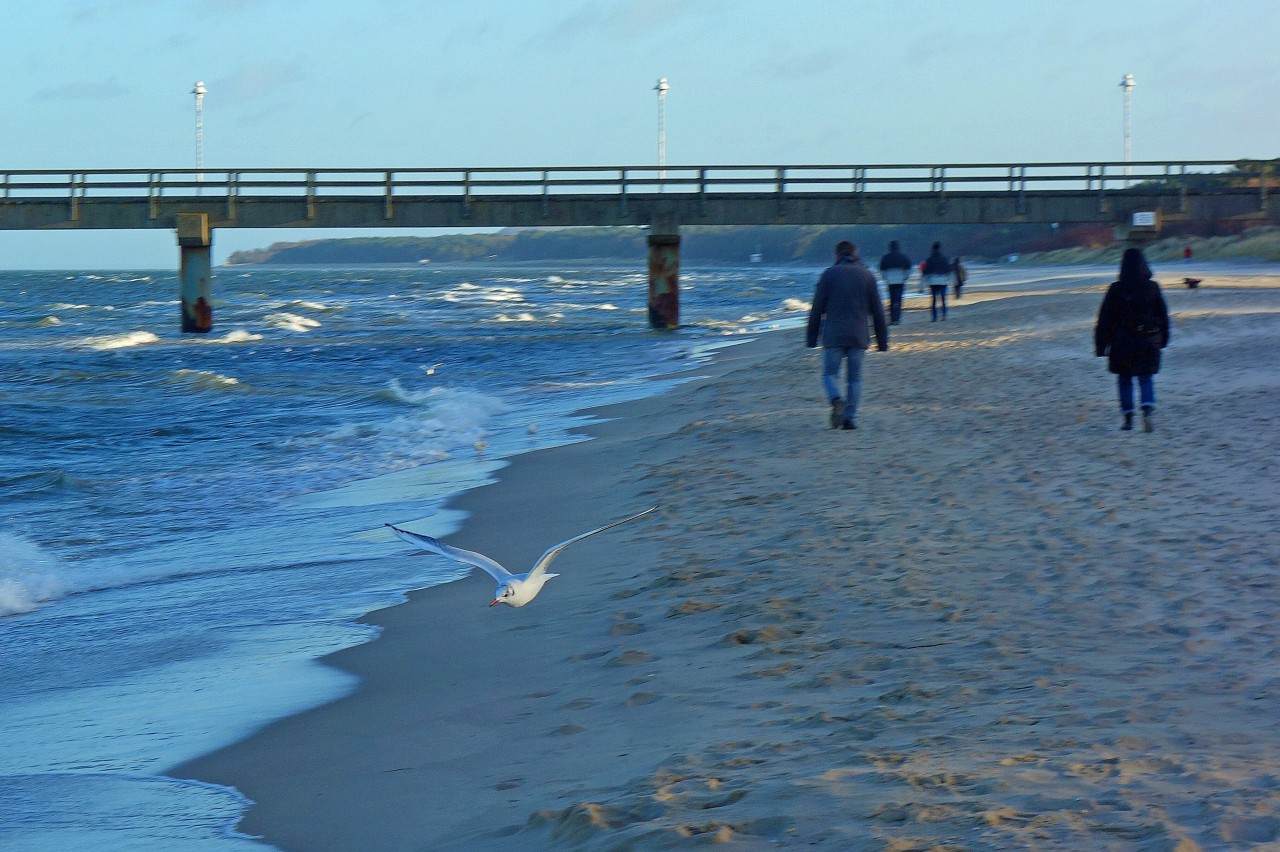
(918, 632)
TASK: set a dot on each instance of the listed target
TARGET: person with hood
(844, 300)
(1132, 328)
(937, 271)
(895, 268)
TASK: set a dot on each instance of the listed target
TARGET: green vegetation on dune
(1256, 244)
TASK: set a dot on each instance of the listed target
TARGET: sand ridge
(986, 619)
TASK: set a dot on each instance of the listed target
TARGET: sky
(516, 83)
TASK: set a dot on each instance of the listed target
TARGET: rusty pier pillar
(664, 274)
(195, 272)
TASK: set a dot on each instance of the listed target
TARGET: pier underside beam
(664, 275)
(195, 272)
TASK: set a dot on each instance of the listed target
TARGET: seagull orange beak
(495, 602)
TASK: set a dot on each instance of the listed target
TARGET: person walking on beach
(844, 300)
(936, 271)
(895, 268)
(960, 273)
(1132, 328)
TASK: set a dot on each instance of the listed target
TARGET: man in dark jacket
(844, 300)
(895, 268)
(936, 272)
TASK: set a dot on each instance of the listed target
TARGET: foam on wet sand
(985, 619)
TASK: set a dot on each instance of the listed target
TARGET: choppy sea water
(188, 521)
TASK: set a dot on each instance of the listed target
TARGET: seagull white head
(513, 589)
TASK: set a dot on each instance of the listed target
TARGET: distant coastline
(1036, 244)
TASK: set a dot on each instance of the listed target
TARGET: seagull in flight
(513, 589)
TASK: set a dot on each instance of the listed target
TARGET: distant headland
(801, 245)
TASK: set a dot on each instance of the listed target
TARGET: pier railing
(780, 180)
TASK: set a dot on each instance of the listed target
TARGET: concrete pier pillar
(195, 272)
(664, 275)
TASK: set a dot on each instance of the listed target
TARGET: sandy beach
(986, 619)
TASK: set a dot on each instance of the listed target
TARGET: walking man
(844, 300)
(895, 267)
(936, 271)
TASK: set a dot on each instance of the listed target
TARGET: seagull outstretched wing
(540, 566)
(469, 557)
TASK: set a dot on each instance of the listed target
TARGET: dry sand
(987, 619)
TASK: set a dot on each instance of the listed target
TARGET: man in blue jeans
(844, 301)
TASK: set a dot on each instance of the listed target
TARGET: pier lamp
(662, 88)
(1127, 84)
(199, 91)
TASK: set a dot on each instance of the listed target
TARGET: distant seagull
(513, 589)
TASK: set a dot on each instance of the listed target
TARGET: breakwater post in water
(664, 273)
(195, 275)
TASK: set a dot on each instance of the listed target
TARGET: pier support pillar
(195, 272)
(664, 275)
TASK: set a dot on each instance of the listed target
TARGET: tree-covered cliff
(776, 244)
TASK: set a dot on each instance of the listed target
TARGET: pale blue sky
(454, 83)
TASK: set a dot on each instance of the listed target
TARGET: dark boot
(1128, 422)
(1147, 423)
(837, 412)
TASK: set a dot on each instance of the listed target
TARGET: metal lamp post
(662, 88)
(199, 91)
(1127, 85)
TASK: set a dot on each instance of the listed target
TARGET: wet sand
(986, 619)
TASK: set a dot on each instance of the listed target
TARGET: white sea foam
(504, 294)
(205, 378)
(121, 341)
(292, 322)
(303, 304)
(28, 576)
(237, 336)
(439, 421)
(51, 320)
(521, 317)
(795, 305)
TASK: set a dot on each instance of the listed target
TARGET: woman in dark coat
(1133, 326)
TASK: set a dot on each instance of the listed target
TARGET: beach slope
(985, 619)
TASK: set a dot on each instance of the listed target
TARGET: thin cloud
(626, 18)
(96, 90)
(814, 64)
(257, 82)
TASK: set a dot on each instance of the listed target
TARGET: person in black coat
(895, 267)
(1132, 328)
(936, 272)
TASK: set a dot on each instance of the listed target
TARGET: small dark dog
(1192, 283)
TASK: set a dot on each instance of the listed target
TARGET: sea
(188, 522)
